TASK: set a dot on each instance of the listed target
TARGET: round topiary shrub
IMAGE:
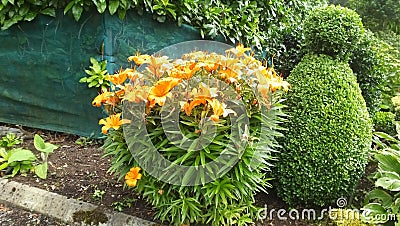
(333, 30)
(385, 122)
(325, 149)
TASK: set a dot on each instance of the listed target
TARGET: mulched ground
(79, 171)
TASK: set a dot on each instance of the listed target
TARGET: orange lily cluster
(161, 75)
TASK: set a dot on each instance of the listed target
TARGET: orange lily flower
(211, 67)
(278, 83)
(239, 50)
(219, 109)
(133, 74)
(228, 74)
(101, 98)
(112, 121)
(188, 106)
(157, 65)
(121, 92)
(159, 92)
(269, 73)
(118, 79)
(184, 71)
(139, 59)
(135, 93)
(132, 176)
(201, 96)
(251, 61)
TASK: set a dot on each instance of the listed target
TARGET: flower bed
(201, 128)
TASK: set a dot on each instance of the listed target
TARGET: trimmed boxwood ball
(385, 122)
(333, 30)
(329, 133)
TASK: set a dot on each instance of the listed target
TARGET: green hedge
(333, 30)
(368, 64)
(378, 14)
(326, 146)
(385, 122)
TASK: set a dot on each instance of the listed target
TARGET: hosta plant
(16, 159)
(382, 203)
(198, 133)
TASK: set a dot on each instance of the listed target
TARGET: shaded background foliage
(271, 26)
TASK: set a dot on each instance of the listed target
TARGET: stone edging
(70, 211)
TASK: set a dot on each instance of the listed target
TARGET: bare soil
(14, 216)
(79, 171)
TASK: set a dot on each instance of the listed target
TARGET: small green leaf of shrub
(10, 140)
(19, 155)
(97, 75)
(41, 170)
(41, 146)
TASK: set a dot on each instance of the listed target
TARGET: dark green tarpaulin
(42, 61)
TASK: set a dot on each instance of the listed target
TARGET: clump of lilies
(154, 83)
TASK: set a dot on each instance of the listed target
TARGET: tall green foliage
(378, 14)
(14, 11)
(372, 67)
(251, 22)
(283, 30)
(326, 146)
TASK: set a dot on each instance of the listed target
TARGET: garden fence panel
(42, 61)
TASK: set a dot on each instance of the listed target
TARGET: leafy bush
(326, 145)
(384, 199)
(253, 22)
(396, 105)
(12, 12)
(385, 122)
(333, 30)
(378, 14)
(226, 199)
(369, 65)
(389, 50)
(97, 75)
(381, 17)
(16, 159)
(281, 26)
